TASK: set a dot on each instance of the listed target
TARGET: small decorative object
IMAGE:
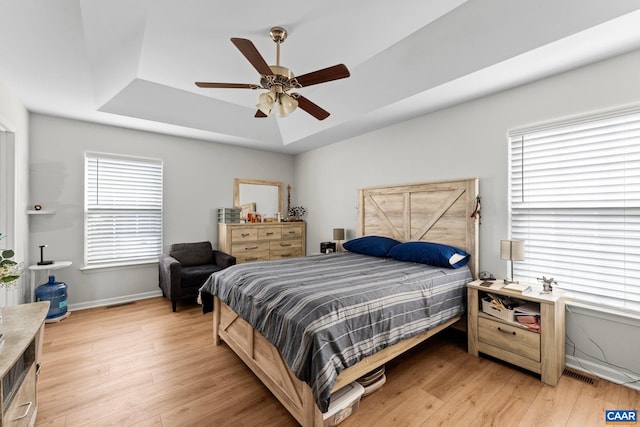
(37, 207)
(547, 287)
(511, 250)
(42, 261)
(296, 212)
(10, 270)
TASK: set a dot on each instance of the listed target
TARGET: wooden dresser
(259, 242)
(22, 327)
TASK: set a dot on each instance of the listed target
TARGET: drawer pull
(251, 259)
(285, 244)
(286, 255)
(26, 412)
(245, 234)
(270, 233)
(292, 232)
(506, 332)
(250, 248)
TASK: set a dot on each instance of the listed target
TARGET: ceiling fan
(279, 81)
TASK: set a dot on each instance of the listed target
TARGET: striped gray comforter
(327, 312)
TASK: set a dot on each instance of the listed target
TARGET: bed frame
(438, 212)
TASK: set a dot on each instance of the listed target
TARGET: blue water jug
(56, 294)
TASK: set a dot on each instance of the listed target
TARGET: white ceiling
(133, 63)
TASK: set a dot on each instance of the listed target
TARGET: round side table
(33, 268)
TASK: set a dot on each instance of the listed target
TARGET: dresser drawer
(513, 339)
(244, 234)
(286, 249)
(274, 233)
(250, 251)
(292, 232)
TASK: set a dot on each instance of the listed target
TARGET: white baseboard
(603, 371)
(112, 301)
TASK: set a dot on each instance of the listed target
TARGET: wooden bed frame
(438, 212)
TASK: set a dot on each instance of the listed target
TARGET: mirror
(264, 197)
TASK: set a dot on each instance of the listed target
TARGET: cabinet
(22, 328)
(265, 241)
(541, 352)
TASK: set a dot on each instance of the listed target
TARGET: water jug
(56, 294)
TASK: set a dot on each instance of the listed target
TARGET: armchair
(187, 266)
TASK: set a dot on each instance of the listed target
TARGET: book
(517, 287)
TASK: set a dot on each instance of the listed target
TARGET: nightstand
(542, 352)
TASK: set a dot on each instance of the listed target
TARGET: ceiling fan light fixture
(266, 101)
(286, 105)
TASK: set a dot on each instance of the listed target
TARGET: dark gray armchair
(187, 266)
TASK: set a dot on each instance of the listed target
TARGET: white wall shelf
(41, 212)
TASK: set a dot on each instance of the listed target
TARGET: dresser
(265, 241)
(22, 329)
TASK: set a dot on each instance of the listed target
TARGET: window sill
(117, 266)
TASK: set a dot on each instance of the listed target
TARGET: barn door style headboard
(438, 212)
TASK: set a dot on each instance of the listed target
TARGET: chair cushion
(195, 276)
(189, 254)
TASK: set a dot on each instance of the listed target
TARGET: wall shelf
(41, 212)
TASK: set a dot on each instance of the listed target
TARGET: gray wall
(198, 179)
(469, 140)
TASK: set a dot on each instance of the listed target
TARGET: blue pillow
(434, 254)
(371, 245)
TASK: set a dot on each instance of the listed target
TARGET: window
(123, 210)
(575, 201)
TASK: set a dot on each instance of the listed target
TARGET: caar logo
(621, 416)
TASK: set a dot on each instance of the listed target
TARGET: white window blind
(575, 201)
(123, 209)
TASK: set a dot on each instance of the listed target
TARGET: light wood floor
(141, 364)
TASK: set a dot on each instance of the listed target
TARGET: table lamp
(338, 236)
(511, 250)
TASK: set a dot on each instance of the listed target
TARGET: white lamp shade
(286, 105)
(266, 101)
(512, 250)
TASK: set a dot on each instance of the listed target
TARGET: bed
(248, 320)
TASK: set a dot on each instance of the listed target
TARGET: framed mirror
(264, 197)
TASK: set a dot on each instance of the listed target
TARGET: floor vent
(121, 304)
(581, 376)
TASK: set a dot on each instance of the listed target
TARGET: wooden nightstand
(542, 352)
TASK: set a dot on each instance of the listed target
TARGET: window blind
(575, 201)
(123, 209)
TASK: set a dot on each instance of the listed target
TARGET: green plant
(9, 269)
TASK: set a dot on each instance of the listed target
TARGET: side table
(33, 268)
(541, 352)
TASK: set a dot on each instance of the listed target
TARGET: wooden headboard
(438, 212)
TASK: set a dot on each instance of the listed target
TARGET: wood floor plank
(143, 365)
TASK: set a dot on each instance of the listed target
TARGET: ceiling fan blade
(227, 85)
(260, 114)
(311, 108)
(328, 74)
(248, 49)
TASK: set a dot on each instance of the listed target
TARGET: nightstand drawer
(510, 338)
(20, 411)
